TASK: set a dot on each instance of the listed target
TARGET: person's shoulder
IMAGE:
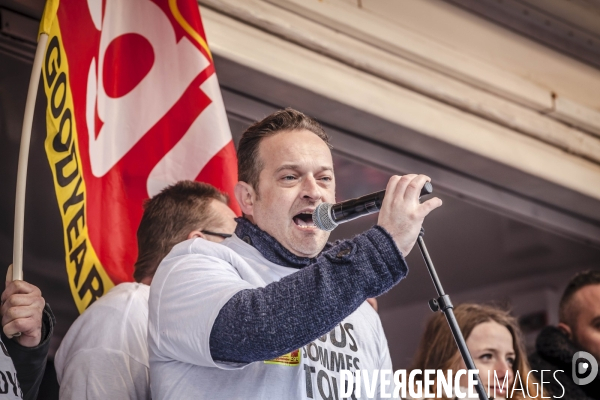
(128, 289)
(122, 294)
(106, 325)
(195, 258)
(114, 307)
(199, 247)
(203, 252)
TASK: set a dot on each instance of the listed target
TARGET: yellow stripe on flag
(48, 17)
(87, 278)
(187, 27)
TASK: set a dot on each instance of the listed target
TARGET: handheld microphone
(328, 216)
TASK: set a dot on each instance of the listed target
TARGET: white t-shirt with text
(189, 289)
(9, 385)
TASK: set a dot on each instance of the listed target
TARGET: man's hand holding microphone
(399, 208)
(402, 213)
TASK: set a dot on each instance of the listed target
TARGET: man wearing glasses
(104, 355)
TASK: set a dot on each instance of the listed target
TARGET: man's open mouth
(304, 220)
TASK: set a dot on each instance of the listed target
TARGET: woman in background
(494, 341)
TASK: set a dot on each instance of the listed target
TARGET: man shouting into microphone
(275, 312)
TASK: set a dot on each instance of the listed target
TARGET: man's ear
(195, 234)
(566, 329)
(245, 196)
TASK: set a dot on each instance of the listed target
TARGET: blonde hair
(437, 349)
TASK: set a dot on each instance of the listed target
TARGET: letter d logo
(580, 368)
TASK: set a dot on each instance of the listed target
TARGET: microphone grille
(322, 217)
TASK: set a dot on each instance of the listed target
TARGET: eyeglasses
(223, 235)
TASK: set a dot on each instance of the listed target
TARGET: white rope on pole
(24, 157)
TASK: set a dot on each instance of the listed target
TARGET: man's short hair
(566, 312)
(168, 219)
(249, 163)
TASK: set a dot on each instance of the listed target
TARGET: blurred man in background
(104, 354)
(578, 330)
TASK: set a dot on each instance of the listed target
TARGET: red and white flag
(133, 106)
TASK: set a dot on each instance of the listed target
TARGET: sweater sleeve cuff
(392, 266)
(385, 244)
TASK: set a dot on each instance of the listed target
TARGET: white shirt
(9, 386)
(105, 354)
(189, 289)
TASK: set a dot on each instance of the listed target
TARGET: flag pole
(24, 157)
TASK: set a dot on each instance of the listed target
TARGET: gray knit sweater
(308, 303)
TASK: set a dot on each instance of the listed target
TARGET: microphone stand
(443, 304)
